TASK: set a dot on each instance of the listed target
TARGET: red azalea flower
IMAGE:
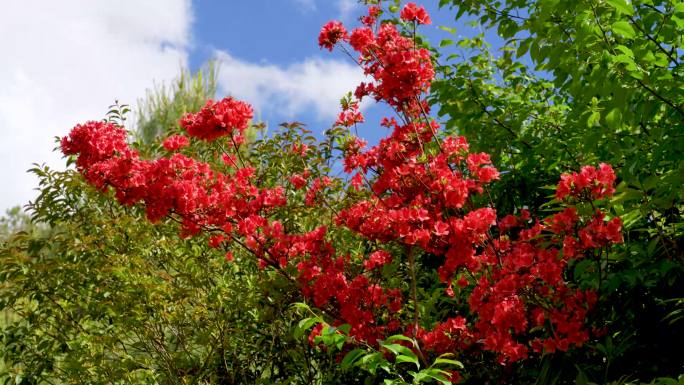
(331, 34)
(175, 142)
(413, 13)
(217, 119)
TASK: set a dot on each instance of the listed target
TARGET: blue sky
(261, 34)
(66, 61)
(280, 31)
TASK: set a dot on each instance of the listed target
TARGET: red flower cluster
(449, 336)
(372, 16)
(350, 115)
(175, 142)
(377, 259)
(413, 13)
(103, 154)
(298, 181)
(524, 290)
(421, 190)
(97, 141)
(177, 184)
(599, 233)
(400, 70)
(597, 183)
(331, 34)
(368, 308)
(219, 119)
(232, 205)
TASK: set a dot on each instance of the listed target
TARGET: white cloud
(65, 61)
(306, 5)
(346, 8)
(313, 84)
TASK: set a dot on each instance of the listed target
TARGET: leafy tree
(164, 105)
(16, 220)
(581, 82)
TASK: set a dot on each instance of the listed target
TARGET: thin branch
(656, 42)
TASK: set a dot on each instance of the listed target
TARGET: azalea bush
(415, 204)
(259, 263)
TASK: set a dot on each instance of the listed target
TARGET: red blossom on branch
(175, 142)
(332, 33)
(217, 119)
(413, 13)
(597, 182)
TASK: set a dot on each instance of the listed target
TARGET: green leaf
(448, 29)
(344, 328)
(679, 8)
(304, 325)
(635, 73)
(371, 362)
(614, 118)
(625, 50)
(401, 350)
(412, 359)
(623, 28)
(593, 119)
(301, 305)
(431, 373)
(418, 377)
(351, 357)
(400, 337)
(339, 341)
(396, 348)
(622, 6)
(446, 42)
(523, 47)
(446, 361)
(581, 378)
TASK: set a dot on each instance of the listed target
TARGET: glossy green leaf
(624, 6)
(623, 28)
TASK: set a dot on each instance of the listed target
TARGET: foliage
(109, 298)
(102, 296)
(16, 220)
(164, 105)
(578, 82)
